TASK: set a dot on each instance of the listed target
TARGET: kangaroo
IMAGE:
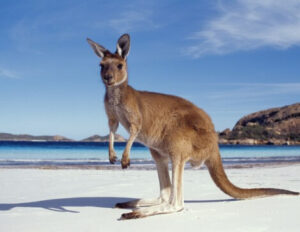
(172, 128)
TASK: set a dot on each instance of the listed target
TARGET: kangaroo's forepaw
(112, 156)
(113, 159)
(125, 162)
(132, 215)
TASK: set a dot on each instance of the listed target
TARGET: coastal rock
(276, 126)
(225, 132)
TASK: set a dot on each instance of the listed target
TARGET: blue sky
(230, 58)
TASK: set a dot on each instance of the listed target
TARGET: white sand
(82, 200)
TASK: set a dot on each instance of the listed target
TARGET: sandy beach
(83, 200)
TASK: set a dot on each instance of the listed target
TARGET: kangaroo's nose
(108, 77)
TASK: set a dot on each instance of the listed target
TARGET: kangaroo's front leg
(113, 126)
(133, 130)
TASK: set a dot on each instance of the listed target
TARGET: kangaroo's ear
(123, 46)
(98, 49)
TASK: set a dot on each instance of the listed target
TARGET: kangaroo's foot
(139, 203)
(125, 162)
(163, 208)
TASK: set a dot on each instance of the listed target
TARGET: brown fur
(173, 128)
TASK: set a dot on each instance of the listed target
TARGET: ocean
(96, 154)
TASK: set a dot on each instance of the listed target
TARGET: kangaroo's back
(165, 116)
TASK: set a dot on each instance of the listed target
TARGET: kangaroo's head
(113, 65)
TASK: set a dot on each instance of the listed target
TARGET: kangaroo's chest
(121, 113)
(114, 105)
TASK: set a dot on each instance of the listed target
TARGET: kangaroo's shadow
(101, 202)
(210, 201)
(59, 204)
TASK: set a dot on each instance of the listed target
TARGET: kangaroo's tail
(218, 174)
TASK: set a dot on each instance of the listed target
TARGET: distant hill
(56, 138)
(24, 137)
(98, 138)
(273, 126)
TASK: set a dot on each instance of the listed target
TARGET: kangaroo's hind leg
(164, 182)
(175, 202)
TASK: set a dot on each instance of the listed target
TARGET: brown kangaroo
(173, 128)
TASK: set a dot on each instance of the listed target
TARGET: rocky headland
(278, 126)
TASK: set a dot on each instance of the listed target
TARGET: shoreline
(222, 142)
(148, 167)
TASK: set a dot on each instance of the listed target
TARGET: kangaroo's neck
(115, 94)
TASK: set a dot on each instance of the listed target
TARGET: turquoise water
(28, 153)
(68, 151)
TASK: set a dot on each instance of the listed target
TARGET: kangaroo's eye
(120, 66)
(102, 65)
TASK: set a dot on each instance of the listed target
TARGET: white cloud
(241, 91)
(133, 20)
(33, 31)
(249, 24)
(5, 73)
